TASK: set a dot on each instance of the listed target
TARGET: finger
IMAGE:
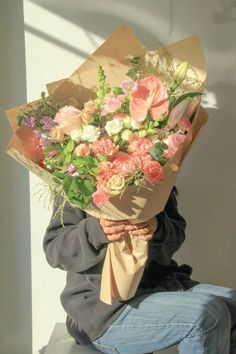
(110, 223)
(116, 237)
(114, 229)
(145, 238)
(140, 232)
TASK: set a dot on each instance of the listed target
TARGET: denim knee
(212, 312)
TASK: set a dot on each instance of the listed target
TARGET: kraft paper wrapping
(125, 261)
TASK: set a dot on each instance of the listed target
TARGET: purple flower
(29, 122)
(47, 123)
(37, 132)
(44, 141)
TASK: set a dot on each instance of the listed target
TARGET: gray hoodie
(79, 249)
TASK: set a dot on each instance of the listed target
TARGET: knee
(212, 312)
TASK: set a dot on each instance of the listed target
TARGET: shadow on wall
(212, 199)
(158, 18)
(226, 13)
(113, 14)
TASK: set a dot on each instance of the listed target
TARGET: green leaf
(157, 151)
(102, 157)
(162, 122)
(80, 191)
(132, 72)
(164, 146)
(66, 183)
(189, 95)
(20, 119)
(51, 147)
(59, 174)
(69, 147)
(135, 60)
(67, 158)
(162, 160)
(117, 91)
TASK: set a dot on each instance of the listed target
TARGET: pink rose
(68, 119)
(153, 171)
(82, 150)
(112, 104)
(173, 142)
(100, 197)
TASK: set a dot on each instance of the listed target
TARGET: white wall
(58, 36)
(15, 276)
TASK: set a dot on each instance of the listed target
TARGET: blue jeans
(201, 320)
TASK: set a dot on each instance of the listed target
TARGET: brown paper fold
(143, 205)
(125, 261)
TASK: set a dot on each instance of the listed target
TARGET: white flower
(114, 126)
(90, 133)
(127, 122)
(135, 124)
(115, 185)
(75, 135)
(125, 134)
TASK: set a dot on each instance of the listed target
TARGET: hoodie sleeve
(77, 246)
(170, 233)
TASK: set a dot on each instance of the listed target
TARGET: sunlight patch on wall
(209, 100)
(56, 41)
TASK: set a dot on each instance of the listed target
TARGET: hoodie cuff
(95, 233)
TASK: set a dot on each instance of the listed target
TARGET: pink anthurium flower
(150, 95)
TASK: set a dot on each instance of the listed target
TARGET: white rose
(75, 135)
(114, 126)
(90, 133)
(115, 185)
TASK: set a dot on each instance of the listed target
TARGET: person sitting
(168, 307)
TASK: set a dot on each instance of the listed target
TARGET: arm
(170, 233)
(79, 245)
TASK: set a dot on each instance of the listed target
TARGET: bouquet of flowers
(115, 147)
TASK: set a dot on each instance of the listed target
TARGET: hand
(144, 230)
(114, 230)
